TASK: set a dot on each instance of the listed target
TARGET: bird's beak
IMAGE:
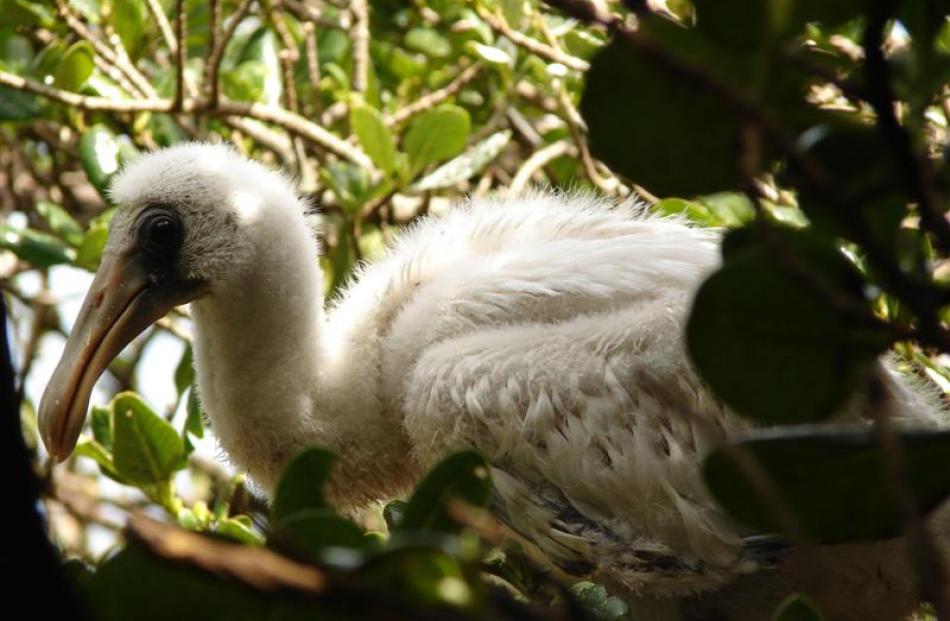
(120, 304)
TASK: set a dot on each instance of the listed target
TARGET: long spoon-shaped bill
(119, 306)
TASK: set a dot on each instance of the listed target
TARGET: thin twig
(306, 13)
(163, 25)
(214, 62)
(359, 36)
(539, 48)
(181, 26)
(123, 60)
(538, 160)
(289, 121)
(102, 49)
(434, 98)
(83, 101)
(313, 67)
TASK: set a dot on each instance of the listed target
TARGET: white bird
(545, 331)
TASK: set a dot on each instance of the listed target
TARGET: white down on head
(544, 330)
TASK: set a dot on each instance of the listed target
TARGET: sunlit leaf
(101, 422)
(61, 223)
(376, 139)
(99, 155)
(428, 41)
(466, 165)
(436, 135)
(74, 67)
(130, 18)
(91, 247)
(146, 448)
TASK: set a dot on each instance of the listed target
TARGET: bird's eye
(161, 232)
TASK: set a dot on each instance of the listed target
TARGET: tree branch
(217, 53)
(181, 26)
(163, 25)
(499, 25)
(359, 36)
(268, 114)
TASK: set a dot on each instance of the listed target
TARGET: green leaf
(827, 477)
(428, 41)
(309, 532)
(45, 63)
(373, 135)
(91, 247)
(74, 67)
(436, 135)
(102, 457)
(18, 106)
(796, 608)
(424, 575)
(130, 18)
(730, 209)
(37, 249)
(194, 422)
(60, 222)
(461, 476)
(101, 422)
(301, 484)
(99, 155)
(25, 13)
(658, 128)
(146, 448)
(466, 165)
(490, 54)
(185, 371)
(772, 346)
(246, 82)
(239, 531)
(349, 182)
(696, 212)
(860, 161)
(136, 584)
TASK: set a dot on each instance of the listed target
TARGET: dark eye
(161, 232)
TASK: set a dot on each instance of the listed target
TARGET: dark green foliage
(832, 481)
(665, 131)
(461, 477)
(759, 329)
(301, 486)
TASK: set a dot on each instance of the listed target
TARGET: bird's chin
(121, 303)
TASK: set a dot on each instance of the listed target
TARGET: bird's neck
(272, 387)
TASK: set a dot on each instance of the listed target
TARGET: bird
(544, 330)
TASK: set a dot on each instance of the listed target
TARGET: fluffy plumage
(544, 330)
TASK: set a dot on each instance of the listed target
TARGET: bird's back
(547, 332)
